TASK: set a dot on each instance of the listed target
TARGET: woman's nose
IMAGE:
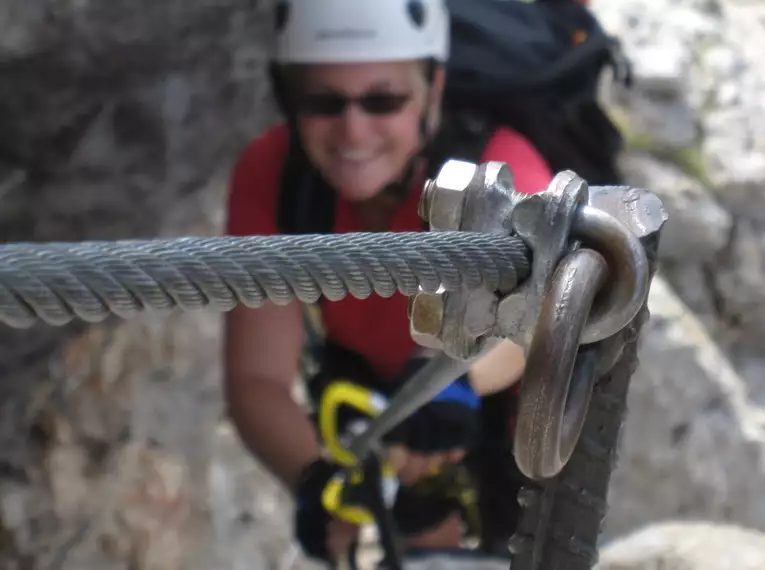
(355, 124)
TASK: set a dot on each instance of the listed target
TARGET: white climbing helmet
(357, 31)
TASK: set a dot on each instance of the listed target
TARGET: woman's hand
(412, 466)
(340, 537)
(439, 433)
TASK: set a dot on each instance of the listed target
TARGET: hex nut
(510, 313)
(448, 195)
(426, 317)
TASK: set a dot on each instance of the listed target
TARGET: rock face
(693, 440)
(121, 119)
(687, 546)
(693, 444)
(694, 123)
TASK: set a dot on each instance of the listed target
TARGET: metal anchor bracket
(567, 215)
(467, 197)
(589, 279)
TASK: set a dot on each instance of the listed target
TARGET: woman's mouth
(356, 156)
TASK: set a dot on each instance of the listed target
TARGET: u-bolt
(626, 289)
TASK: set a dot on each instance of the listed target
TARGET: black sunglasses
(334, 104)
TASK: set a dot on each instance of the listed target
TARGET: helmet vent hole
(416, 11)
(281, 15)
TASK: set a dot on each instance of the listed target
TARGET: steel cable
(57, 282)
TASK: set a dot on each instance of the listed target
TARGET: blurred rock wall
(694, 441)
(121, 119)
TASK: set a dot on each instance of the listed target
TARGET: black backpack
(531, 66)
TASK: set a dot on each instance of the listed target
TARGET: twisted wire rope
(57, 282)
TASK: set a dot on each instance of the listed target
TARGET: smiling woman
(360, 124)
(361, 85)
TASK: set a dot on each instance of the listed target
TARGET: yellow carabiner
(342, 496)
(340, 393)
(336, 500)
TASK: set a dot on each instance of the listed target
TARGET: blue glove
(450, 421)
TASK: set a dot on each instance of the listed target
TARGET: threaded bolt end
(426, 198)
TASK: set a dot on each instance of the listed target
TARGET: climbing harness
(564, 273)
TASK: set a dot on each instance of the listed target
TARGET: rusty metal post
(561, 517)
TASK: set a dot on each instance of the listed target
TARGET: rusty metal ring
(629, 280)
(559, 376)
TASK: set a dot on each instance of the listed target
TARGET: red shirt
(377, 328)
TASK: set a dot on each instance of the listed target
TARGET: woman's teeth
(356, 155)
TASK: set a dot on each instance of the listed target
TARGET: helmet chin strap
(399, 189)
